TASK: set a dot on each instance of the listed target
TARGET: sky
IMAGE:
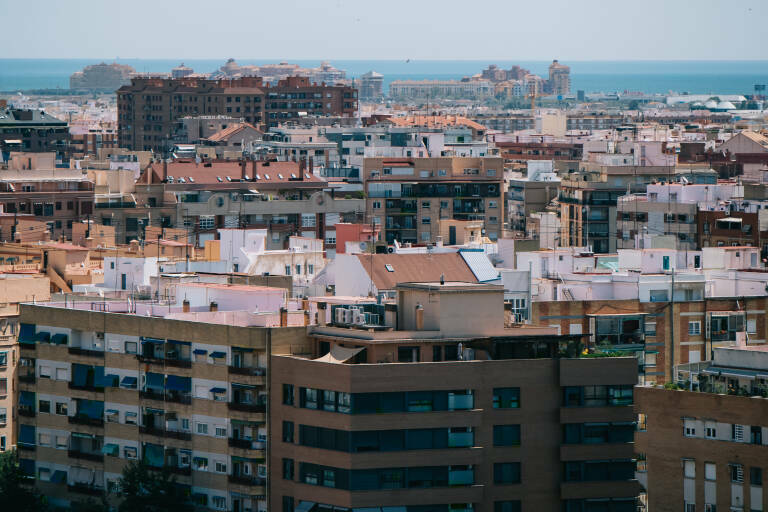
(386, 29)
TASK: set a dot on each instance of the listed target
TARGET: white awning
(304, 506)
(340, 354)
(729, 219)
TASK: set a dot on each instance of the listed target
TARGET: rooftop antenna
(442, 279)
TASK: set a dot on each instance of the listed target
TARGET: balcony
(461, 439)
(187, 471)
(27, 447)
(86, 420)
(243, 407)
(88, 489)
(72, 385)
(27, 411)
(177, 363)
(242, 370)
(461, 477)
(77, 454)
(251, 481)
(167, 397)
(460, 402)
(159, 432)
(28, 378)
(77, 351)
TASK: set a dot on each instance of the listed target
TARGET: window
(44, 406)
(288, 469)
(288, 432)
(506, 506)
(689, 426)
(426, 220)
(737, 473)
(650, 328)
(61, 408)
(506, 435)
(221, 431)
(689, 468)
(751, 326)
(506, 473)
(737, 433)
(130, 452)
(694, 328)
(131, 347)
(310, 398)
(202, 428)
(287, 394)
(200, 463)
(506, 398)
(221, 467)
(710, 431)
(219, 502)
(130, 418)
(441, 172)
(756, 476)
(710, 471)
(62, 442)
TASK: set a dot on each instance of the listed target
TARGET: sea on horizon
(663, 77)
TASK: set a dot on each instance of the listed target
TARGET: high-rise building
(371, 85)
(559, 82)
(431, 404)
(149, 109)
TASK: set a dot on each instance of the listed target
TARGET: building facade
(149, 108)
(409, 196)
(456, 423)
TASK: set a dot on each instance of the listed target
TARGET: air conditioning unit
(348, 316)
(340, 315)
(358, 318)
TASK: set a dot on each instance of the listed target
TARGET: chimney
(165, 170)
(283, 317)
(321, 312)
(419, 317)
(302, 168)
(213, 306)
(185, 306)
(306, 318)
(311, 166)
(243, 163)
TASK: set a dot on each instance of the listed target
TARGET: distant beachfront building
(272, 73)
(424, 89)
(181, 71)
(371, 86)
(103, 76)
(559, 82)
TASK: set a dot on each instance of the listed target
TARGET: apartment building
(710, 454)
(409, 196)
(559, 83)
(33, 130)
(15, 288)
(148, 110)
(589, 197)
(430, 404)
(183, 388)
(445, 89)
(673, 209)
(32, 184)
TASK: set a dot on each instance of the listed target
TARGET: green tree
(145, 490)
(91, 505)
(15, 490)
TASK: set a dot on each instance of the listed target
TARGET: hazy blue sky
(386, 29)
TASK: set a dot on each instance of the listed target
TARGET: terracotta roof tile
(407, 268)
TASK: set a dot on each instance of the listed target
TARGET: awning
(218, 390)
(730, 372)
(27, 434)
(155, 380)
(80, 435)
(111, 380)
(199, 352)
(177, 342)
(340, 354)
(59, 477)
(59, 339)
(729, 219)
(217, 355)
(176, 383)
(27, 398)
(242, 349)
(42, 336)
(243, 386)
(111, 449)
(129, 382)
(151, 340)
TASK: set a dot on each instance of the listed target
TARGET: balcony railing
(77, 351)
(178, 363)
(167, 397)
(29, 412)
(246, 480)
(86, 420)
(160, 432)
(246, 444)
(242, 370)
(238, 406)
(30, 377)
(187, 471)
(77, 454)
(72, 385)
(85, 489)
(28, 447)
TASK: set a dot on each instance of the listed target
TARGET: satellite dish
(363, 246)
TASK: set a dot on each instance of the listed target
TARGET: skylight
(389, 267)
